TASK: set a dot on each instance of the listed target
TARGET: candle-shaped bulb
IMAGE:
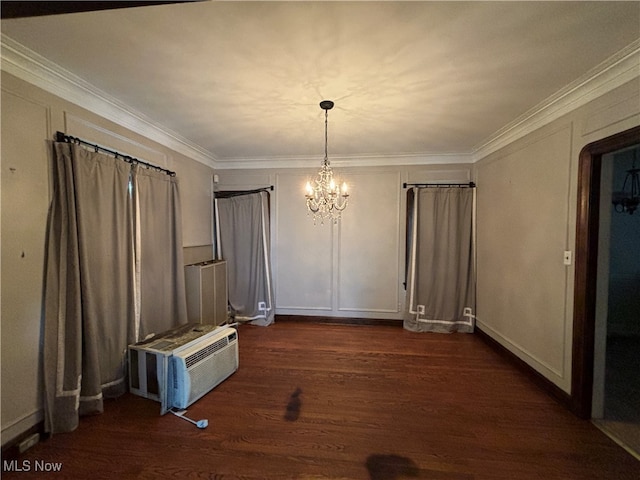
(344, 188)
(309, 189)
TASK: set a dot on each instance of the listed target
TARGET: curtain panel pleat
(441, 293)
(243, 241)
(90, 295)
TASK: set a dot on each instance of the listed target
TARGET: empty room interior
(349, 240)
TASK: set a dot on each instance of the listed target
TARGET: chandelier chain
(326, 137)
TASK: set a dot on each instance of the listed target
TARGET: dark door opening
(586, 265)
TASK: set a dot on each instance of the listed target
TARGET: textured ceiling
(244, 79)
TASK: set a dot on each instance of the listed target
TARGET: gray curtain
(93, 306)
(243, 240)
(441, 290)
(159, 253)
(88, 304)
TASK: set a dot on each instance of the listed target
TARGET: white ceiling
(242, 80)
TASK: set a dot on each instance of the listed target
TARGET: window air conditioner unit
(179, 366)
(196, 370)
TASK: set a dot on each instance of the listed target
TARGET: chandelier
(627, 201)
(325, 198)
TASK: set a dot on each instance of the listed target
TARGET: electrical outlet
(28, 442)
(568, 257)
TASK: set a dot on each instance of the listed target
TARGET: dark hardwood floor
(320, 401)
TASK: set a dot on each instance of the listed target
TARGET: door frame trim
(586, 265)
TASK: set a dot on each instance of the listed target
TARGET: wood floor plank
(324, 401)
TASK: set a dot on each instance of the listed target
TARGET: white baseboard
(18, 427)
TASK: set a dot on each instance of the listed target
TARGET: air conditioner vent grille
(206, 352)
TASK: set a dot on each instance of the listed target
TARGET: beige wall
(30, 116)
(526, 216)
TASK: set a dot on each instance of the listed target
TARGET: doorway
(592, 347)
(616, 383)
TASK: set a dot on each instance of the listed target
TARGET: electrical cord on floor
(204, 423)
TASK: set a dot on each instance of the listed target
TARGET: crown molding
(31, 67)
(35, 69)
(345, 161)
(614, 72)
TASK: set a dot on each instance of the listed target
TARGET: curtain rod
(443, 185)
(62, 137)
(236, 193)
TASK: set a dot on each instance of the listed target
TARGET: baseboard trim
(338, 320)
(562, 397)
(11, 450)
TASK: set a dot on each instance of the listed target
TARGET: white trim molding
(614, 72)
(345, 161)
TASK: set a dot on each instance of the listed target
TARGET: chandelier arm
(340, 208)
(312, 208)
